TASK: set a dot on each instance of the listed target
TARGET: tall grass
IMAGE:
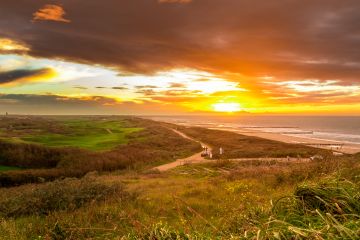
(329, 209)
(68, 194)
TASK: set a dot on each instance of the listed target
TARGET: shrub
(67, 194)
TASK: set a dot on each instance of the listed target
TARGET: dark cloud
(147, 92)
(80, 87)
(286, 38)
(54, 104)
(146, 86)
(120, 88)
(115, 88)
(16, 75)
(175, 1)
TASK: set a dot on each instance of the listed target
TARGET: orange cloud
(11, 46)
(21, 76)
(50, 12)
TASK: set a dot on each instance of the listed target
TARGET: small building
(338, 154)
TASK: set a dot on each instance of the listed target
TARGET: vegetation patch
(8, 168)
(241, 146)
(326, 210)
(147, 144)
(217, 200)
(67, 194)
(220, 200)
(93, 134)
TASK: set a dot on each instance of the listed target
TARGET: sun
(227, 107)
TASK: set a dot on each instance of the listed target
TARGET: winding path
(197, 158)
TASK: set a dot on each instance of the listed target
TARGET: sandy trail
(197, 158)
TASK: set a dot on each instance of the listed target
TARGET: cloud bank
(287, 39)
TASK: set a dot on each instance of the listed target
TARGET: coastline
(348, 148)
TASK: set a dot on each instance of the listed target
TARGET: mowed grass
(92, 135)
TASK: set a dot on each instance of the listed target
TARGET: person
(221, 151)
(210, 155)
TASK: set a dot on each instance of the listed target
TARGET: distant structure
(338, 154)
(204, 152)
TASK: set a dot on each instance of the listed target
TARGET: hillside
(220, 199)
(48, 148)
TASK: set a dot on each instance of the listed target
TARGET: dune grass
(329, 209)
(208, 201)
(218, 200)
(241, 146)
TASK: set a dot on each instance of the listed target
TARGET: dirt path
(197, 158)
(292, 160)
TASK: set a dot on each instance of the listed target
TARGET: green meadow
(8, 168)
(96, 135)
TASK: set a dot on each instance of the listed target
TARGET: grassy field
(125, 199)
(57, 147)
(101, 134)
(7, 168)
(220, 200)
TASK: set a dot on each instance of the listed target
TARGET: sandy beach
(349, 148)
(310, 140)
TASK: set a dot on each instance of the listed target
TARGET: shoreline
(346, 148)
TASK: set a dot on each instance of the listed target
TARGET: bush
(67, 194)
(17, 178)
(31, 155)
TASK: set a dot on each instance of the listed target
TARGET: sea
(345, 129)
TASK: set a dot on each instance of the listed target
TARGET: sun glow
(227, 107)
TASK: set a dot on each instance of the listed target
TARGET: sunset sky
(180, 56)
